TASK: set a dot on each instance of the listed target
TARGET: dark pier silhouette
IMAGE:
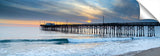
(131, 29)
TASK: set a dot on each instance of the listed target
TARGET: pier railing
(135, 29)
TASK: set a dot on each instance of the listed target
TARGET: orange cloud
(26, 22)
(29, 22)
(85, 10)
(19, 25)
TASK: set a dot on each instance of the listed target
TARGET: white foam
(116, 48)
(105, 39)
(108, 48)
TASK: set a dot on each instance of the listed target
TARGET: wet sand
(150, 52)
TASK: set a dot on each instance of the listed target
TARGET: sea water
(31, 41)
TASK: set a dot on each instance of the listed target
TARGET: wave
(34, 40)
(70, 40)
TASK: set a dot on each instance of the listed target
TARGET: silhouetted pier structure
(132, 29)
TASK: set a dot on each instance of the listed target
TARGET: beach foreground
(149, 52)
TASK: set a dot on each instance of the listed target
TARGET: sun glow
(89, 21)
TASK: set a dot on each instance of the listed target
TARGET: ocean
(32, 41)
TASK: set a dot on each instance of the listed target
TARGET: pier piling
(108, 29)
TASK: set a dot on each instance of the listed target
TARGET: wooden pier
(132, 29)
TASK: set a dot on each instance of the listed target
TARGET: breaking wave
(70, 40)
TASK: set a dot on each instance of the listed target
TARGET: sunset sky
(32, 12)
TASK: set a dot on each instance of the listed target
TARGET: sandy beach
(150, 52)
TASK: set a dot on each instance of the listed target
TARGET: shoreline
(149, 52)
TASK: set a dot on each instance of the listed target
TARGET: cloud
(72, 10)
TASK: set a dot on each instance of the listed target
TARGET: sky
(35, 12)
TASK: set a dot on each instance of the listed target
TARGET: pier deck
(132, 29)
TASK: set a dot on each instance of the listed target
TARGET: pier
(131, 29)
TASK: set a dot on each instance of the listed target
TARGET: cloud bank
(72, 10)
